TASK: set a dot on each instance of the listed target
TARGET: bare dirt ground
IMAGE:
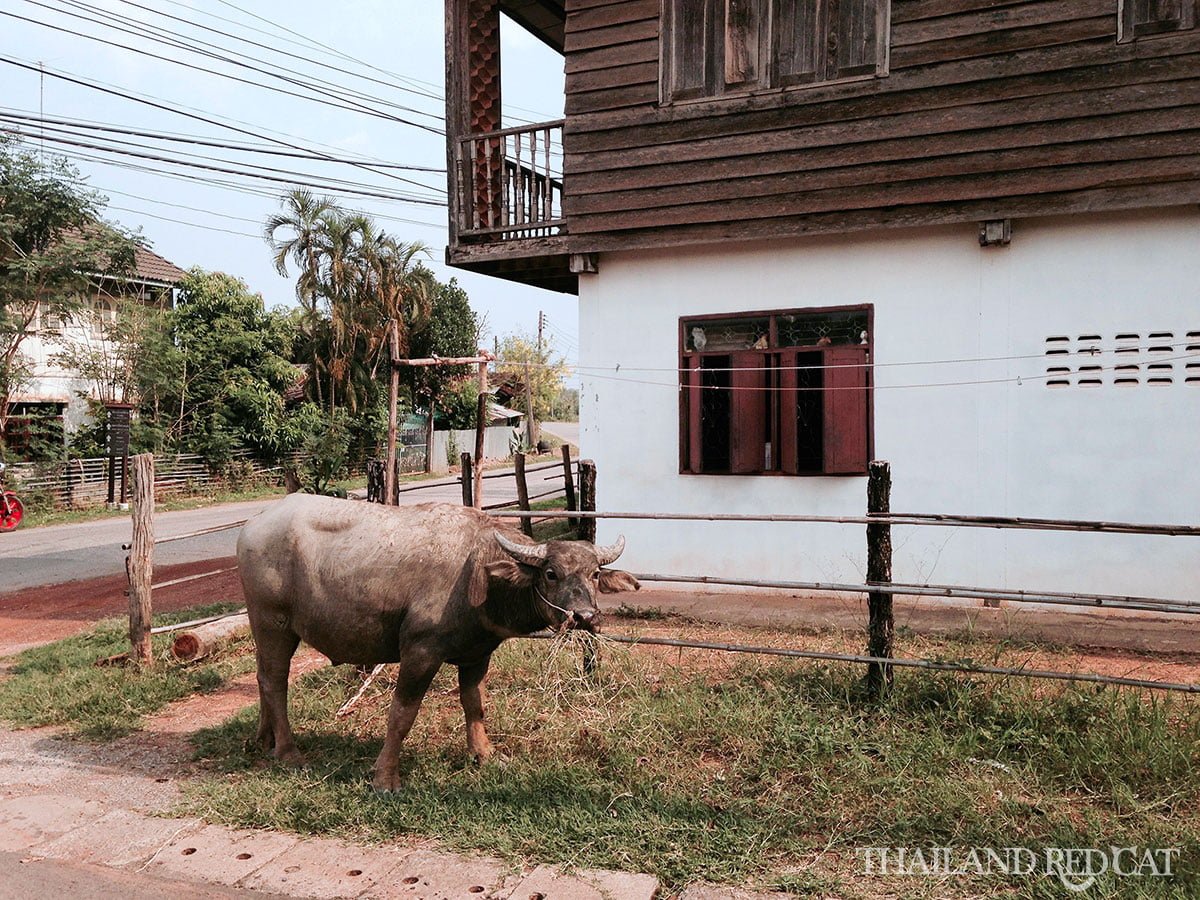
(38, 615)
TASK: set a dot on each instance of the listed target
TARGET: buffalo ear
(509, 571)
(613, 581)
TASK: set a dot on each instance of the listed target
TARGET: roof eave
(544, 19)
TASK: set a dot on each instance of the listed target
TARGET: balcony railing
(510, 183)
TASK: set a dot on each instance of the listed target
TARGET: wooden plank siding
(991, 109)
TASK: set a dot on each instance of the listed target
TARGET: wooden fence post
(480, 428)
(523, 493)
(881, 628)
(141, 560)
(467, 481)
(587, 499)
(390, 486)
(569, 480)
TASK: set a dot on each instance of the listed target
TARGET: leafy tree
(451, 330)
(234, 369)
(520, 358)
(52, 244)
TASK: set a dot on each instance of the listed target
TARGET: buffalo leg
(275, 648)
(416, 673)
(473, 697)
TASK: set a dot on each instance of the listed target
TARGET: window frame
(690, 424)
(771, 82)
(1129, 31)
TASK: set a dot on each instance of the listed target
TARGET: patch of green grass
(59, 683)
(750, 772)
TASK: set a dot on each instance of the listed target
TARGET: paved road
(564, 431)
(62, 553)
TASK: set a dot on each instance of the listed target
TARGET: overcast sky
(398, 43)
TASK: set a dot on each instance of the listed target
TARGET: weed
(59, 683)
(750, 772)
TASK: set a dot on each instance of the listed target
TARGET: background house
(809, 234)
(58, 395)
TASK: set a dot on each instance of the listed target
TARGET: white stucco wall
(1005, 448)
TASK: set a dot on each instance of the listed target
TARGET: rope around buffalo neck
(537, 593)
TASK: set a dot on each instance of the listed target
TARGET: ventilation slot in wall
(1193, 373)
(1058, 346)
(1128, 342)
(1161, 341)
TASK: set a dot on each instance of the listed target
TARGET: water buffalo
(419, 586)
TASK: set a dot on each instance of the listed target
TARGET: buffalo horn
(609, 554)
(530, 554)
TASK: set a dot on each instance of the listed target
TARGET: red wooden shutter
(748, 413)
(846, 410)
(693, 459)
(788, 377)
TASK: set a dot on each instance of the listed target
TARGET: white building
(965, 244)
(56, 391)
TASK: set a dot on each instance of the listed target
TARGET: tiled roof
(152, 267)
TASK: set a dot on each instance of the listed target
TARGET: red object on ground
(11, 512)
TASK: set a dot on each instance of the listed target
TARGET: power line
(18, 115)
(207, 119)
(220, 184)
(355, 191)
(1018, 380)
(253, 43)
(139, 212)
(265, 142)
(311, 42)
(183, 153)
(194, 45)
(356, 107)
(208, 212)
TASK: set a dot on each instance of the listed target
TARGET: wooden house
(962, 236)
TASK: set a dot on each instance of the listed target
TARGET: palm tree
(302, 221)
(343, 268)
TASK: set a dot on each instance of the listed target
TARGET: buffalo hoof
(386, 783)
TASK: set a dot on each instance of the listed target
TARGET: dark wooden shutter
(748, 413)
(693, 50)
(1145, 17)
(854, 39)
(693, 439)
(846, 410)
(797, 52)
(745, 21)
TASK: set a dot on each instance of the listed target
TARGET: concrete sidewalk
(84, 820)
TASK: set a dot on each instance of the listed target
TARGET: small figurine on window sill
(825, 341)
(761, 343)
(699, 339)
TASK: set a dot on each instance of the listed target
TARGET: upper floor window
(716, 47)
(784, 392)
(1142, 18)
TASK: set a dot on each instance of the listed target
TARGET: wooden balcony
(507, 215)
(510, 183)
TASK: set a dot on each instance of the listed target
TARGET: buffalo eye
(551, 575)
(596, 575)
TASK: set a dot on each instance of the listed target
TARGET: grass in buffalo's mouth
(60, 683)
(739, 771)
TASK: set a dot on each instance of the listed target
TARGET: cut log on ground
(206, 639)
